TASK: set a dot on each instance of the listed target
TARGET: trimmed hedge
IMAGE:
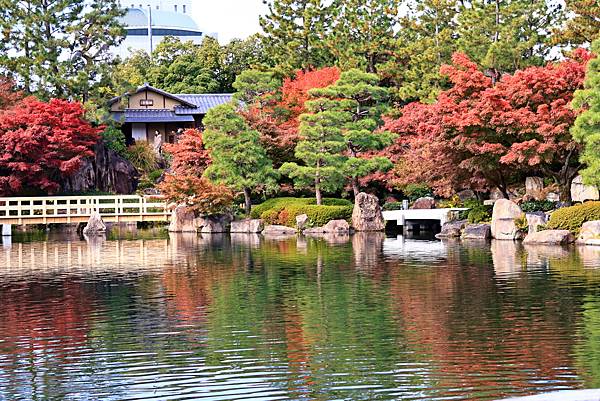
(572, 218)
(284, 211)
(538, 206)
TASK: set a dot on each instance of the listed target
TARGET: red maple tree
(9, 96)
(188, 153)
(278, 120)
(41, 143)
(481, 136)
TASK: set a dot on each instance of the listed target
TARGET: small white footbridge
(414, 216)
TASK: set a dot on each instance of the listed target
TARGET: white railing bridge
(78, 209)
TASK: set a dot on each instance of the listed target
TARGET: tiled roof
(149, 87)
(150, 116)
(203, 102)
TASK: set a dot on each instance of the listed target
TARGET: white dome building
(147, 23)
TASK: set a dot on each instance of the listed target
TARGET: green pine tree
(425, 41)
(321, 148)
(59, 48)
(363, 33)
(295, 31)
(583, 25)
(362, 102)
(252, 85)
(587, 125)
(238, 159)
(506, 35)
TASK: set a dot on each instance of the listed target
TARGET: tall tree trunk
(247, 201)
(355, 187)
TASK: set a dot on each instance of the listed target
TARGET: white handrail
(68, 207)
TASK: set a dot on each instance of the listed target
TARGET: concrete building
(148, 22)
(149, 112)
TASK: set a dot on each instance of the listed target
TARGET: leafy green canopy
(238, 159)
(587, 125)
(183, 67)
(59, 48)
(340, 127)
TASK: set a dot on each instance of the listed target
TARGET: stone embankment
(366, 217)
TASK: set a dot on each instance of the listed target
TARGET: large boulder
(550, 237)
(106, 171)
(278, 230)
(247, 226)
(534, 220)
(333, 227)
(534, 187)
(95, 225)
(213, 224)
(367, 215)
(504, 215)
(589, 233)
(424, 203)
(581, 192)
(182, 220)
(301, 222)
(477, 231)
(452, 229)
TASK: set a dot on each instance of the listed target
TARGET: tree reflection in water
(242, 316)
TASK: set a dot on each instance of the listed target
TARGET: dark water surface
(249, 318)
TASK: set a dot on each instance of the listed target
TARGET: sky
(228, 18)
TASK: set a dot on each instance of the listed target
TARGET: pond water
(242, 317)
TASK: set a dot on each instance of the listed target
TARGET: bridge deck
(78, 209)
(400, 216)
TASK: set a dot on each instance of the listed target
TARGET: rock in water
(213, 224)
(503, 220)
(477, 231)
(95, 225)
(367, 215)
(424, 203)
(581, 192)
(536, 219)
(550, 237)
(332, 227)
(589, 233)
(247, 226)
(106, 171)
(452, 229)
(278, 230)
(182, 220)
(301, 221)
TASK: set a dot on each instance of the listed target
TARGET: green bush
(572, 218)
(416, 191)
(392, 206)
(479, 214)
(153, 176)
(275, 204)
(280, 203)
(114, 139)
(284, 211)
(538, 206)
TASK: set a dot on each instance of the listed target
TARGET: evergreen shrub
(283, 211)
(480, 214)
(572, 218)
(538, 206)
